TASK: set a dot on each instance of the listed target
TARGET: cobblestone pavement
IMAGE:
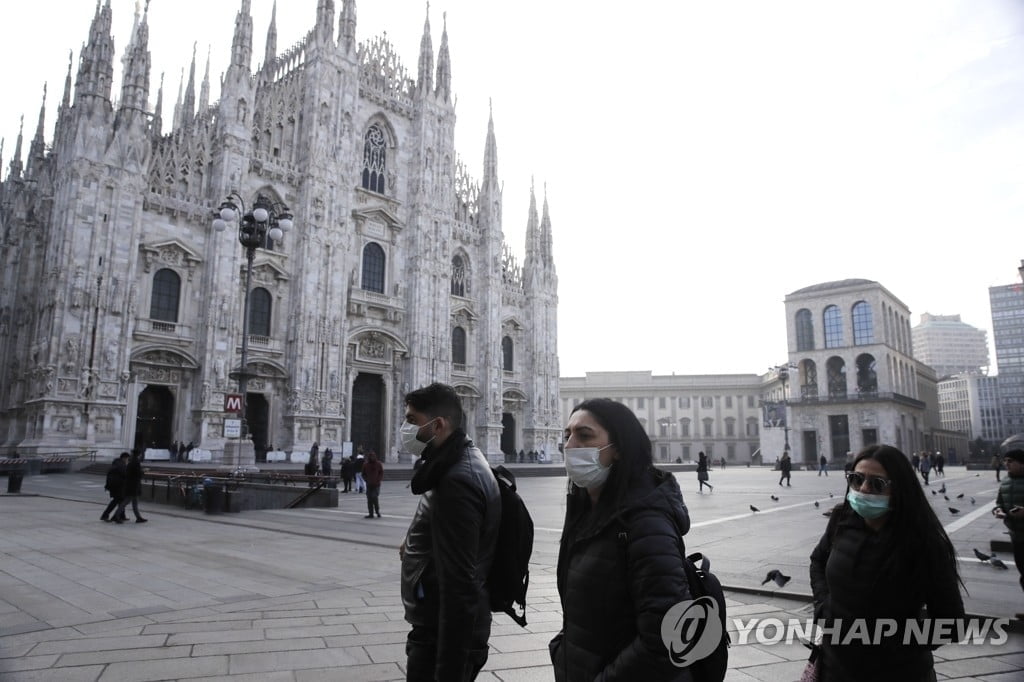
(313, 594)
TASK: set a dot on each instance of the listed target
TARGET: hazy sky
(702, 159)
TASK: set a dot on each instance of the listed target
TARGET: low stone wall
(230, 495)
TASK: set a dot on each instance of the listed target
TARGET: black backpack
(510, 572)
(704, 583)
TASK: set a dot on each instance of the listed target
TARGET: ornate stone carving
(373, 346)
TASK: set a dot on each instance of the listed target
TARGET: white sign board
(232, 428)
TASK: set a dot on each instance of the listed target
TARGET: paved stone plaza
(313, 594)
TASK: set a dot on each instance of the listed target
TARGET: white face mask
(583, 465)
(410, 442)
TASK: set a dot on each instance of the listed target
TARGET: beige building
(949, 345)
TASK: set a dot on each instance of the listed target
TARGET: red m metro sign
(233, 403)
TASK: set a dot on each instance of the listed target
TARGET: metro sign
(233, 403)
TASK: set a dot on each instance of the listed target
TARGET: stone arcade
(121, 309)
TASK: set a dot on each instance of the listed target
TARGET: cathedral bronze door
(368, 413)
(508, 433)
(257, 414)
(154, 424)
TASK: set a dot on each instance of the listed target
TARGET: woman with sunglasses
(884, 555)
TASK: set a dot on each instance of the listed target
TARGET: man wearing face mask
(449, 547)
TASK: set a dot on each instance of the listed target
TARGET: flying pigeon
(776, 575)
(997, 563)
(754, 509)
(954, 511)
(981, 556)
(816, 505)
(774, 498)
(960, 496)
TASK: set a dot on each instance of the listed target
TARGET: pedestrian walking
(823, 466)
(115, 487)
(940, 464)
(926, 466)
(786, 467)
(997, 464)
(621, 553)
(373, 474)
(132, 488)
(346, 473)
(450, 544)
(702, 474)
(357, 469)
(325, 461)
(1010, 500)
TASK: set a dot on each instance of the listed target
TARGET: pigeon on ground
(831, 495)
(960, 496)
(934, 493)
(981, 556)
(943, 488)
(774, 498)
(776, 575)
(976, 475)
(828, 513)
(816, 505)
(972, 500)
(954, 511)
(997, 563)
(946, 498)
(754, 509)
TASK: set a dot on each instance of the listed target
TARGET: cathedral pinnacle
(490, 152)
(347, 27)
(426, 65)
(270, 53)
(324, 21)
(444, 66)
(241, 43)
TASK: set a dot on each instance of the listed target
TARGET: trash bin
(232, 501)
(213, 497)
(14, 482)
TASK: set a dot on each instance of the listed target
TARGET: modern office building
(1007, 305)
(971, 404)
(121, 305)
(950, 346)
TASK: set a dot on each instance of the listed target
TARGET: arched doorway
(257, 414)
(508, 433)
(154, 424)
(368, 412)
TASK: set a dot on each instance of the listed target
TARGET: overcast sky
(702, 159)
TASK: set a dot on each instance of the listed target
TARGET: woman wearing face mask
(884, 555)
(620, 563)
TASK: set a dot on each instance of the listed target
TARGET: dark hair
(912, 519)
(437, 400)
(123, 455)
(627, 434)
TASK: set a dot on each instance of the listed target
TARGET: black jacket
(116, 475)
(856, 573)
(448, 552)
(618, 573)
(133, 477)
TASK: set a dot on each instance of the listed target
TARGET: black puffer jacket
(133, 477)
(857, 574)
(617, 576)
(448, 552)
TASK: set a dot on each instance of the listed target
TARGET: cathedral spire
(347, 27)
(96, 60)
(188, 104)
(204, 89)
(158, 112)
(176, 121)
(444, 66)
(490, 152)
(136, 60)
(37, 148)
(426, 65)
(241, 43)
(324, 30)
(15, 167)
(271, 51)
(546, 249)
(65, 102)
(532, 234)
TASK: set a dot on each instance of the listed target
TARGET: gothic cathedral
(121, 308)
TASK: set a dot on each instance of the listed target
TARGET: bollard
(14, 482)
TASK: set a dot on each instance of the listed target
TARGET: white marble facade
(121, 309)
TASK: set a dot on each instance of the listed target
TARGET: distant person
(940, 463)
(346, 473)
(997, 464)
(325, 461)
(115, 485)
(926, 466)
(450, 544)
(373, 474)
(786, 467)
(823, 465)
(702, 474)
(357, 470)
(132, 488)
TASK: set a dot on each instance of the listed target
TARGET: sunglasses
(876, 484)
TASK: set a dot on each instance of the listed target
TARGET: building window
(663, 429)
(750, 401)
(867, 378)
(640, 403)
(730, 427)
(863, 330)
(458, 276)
(506, 354)
(728, 401)
(707, 402)
(751, 426)
(661, 403)
(684, 403)
(684, 428)
(708, 427)
(166, 292)
(259, 312)
(804, 330)
(373, 268)
(730, 451)
(809, 374)
(833, 327)
(836, 369)
(374, 159)
(459, 346)
(664, 453)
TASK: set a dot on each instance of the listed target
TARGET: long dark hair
(912, 520)
(634, 464)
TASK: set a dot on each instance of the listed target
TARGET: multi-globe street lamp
(782, 371)
(267, 218)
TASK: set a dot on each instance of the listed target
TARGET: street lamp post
(782, 371)
(266, 219)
